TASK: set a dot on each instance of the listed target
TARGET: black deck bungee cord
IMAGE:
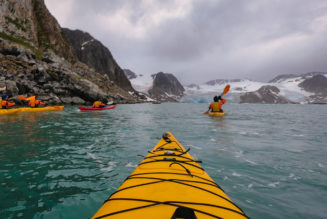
(171, 203)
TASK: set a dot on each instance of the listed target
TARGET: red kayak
(82, 108)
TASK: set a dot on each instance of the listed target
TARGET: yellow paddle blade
(21, 98)
(226, 89)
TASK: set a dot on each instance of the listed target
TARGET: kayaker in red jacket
(216, 106)
(4, 102)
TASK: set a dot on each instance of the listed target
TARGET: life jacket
(31, 103)
(215, 107)
(39, 103)
(35, 103)
(5, 104)
(97, 104)
(0, 103)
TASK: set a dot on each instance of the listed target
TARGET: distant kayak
(8, 111)
(217, 114)
(169, 184)
(40, 109)
(82, 108)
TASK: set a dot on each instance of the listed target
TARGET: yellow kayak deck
(169, 183)
(40, 109)
(217, 114)
(8, 111)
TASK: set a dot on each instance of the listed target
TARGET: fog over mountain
(205, 40)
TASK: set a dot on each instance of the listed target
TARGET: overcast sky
(200, 40)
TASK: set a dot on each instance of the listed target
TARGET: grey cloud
(217, 39)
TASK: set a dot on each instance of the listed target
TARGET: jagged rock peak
(266, 94)
(93, 53)
(166, 87)
(129, 74)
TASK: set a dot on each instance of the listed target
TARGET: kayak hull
(97, 109)
(40, 109)
(8, 111)
(217, 114)
(168, 180)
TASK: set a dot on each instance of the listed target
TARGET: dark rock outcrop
(266, 94)
(166, 88)
(94, 54)
(56, 80)
(316, 84)
(129, 74)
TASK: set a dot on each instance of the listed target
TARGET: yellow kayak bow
(169, 184)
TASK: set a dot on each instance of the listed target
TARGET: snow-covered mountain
(142, 83)
(163, 87)
(289, 86)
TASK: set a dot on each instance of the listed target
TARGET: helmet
(215, 98)
(4, 96)
(219, 97)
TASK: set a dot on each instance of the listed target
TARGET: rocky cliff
(166, 87)
(266, 94)
(56, 80)
(29, 22)
(36, 58)
(94, 54)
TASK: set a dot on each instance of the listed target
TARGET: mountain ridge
(289, 86)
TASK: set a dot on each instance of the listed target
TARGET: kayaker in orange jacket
(98, 104)
(4, 104)
(34, 102)
(216, 106)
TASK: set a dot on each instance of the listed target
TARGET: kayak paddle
(21, 98)
(225, 90)
(25, 98)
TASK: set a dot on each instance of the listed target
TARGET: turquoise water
(270, 159)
